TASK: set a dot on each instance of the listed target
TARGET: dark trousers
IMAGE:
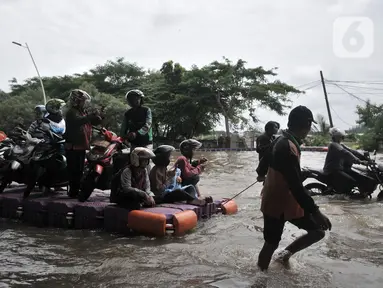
(190, 181)
(131, 201)
(75, 166)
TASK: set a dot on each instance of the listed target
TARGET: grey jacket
(126, 184)
(338, 156)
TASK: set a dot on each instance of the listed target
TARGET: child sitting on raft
(166, 184)
(190, 170)
(131, 186)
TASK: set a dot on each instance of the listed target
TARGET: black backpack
(115, 185)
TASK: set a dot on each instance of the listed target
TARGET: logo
(353, 37)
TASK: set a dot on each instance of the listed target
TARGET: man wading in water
(283, 196)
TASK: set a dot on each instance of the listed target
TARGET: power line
(367, 93)
(313, 86)
(357, 87)
(378, 82)
(356, 97)
(340, 118)
(309, 83)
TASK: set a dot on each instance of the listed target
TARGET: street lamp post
(37, 70)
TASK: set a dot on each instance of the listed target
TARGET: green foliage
(323, 127)
(19, 110)
(237, 88)
(317, 140)
(371, 117)
(184, 102)
(368, 141)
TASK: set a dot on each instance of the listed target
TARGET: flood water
(222, 252)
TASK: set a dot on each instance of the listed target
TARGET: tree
(112, 108)
(175, 97)
(19, 110)
(323, 126)
(115, 77)
(237, 88)
(185, 102)
(371, 116)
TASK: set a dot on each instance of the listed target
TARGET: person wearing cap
(284, 197)
(133, 189)
(137, 123)
(263, 148)
(339, 160)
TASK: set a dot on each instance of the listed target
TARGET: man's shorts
(273, 227)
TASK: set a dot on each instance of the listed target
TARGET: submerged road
(221, 253)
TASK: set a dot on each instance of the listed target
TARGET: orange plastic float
(184, 221)
(229, 207)
(147, 222)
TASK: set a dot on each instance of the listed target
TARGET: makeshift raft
(98, 213)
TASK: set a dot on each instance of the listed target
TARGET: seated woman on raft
(131, 186)
(166, 183)
(190, 170)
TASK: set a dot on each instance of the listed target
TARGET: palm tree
(322, 127)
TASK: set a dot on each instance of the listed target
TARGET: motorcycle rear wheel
(87, 186)
(316, 189)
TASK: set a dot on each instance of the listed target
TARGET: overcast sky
(69, 36)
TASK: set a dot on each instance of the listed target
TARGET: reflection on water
(221, 253)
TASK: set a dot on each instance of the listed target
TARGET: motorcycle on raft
(15, 157)
(22, 152)
(101, 162)
(370, 177)
(48, 163)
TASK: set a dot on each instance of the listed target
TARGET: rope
(236, 195)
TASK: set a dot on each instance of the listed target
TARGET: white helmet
(140, 153)
(336, 132)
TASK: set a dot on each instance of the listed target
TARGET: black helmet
(164, 149)
(163, 154)
(54, 106)
(134, 92)
(77, 96)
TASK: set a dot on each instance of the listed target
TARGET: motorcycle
(49, 163)
(369, 178)
(16, 155)
(98, 168)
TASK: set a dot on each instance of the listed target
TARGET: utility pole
(326, 98)
(37, 70)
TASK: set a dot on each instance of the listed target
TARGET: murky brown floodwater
(221, 253)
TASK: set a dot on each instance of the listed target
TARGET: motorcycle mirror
(374, 152)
